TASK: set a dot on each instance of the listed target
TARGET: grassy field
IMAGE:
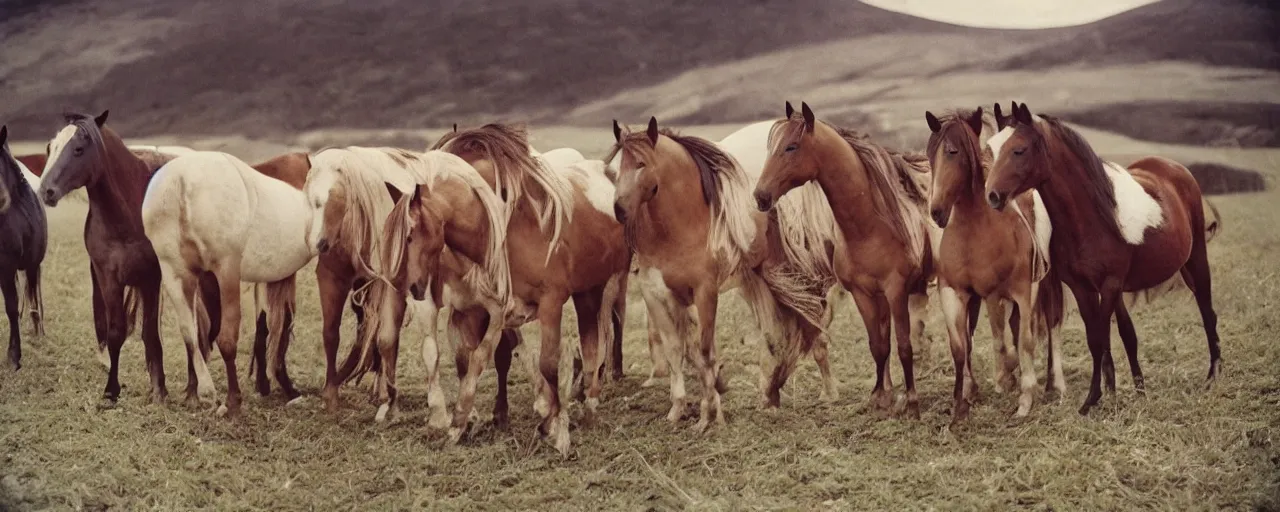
(1178, 448)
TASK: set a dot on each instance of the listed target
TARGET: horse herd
(1002, 209)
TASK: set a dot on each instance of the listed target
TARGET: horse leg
(1129, 337)
(151, 340)
(618, 321)
(281, 303)
(35, 299)
(659, 369)
(1026, 347)
(588, 305)
(502, 364)
(228, 334)
(822, 356)
(99, 319)
(476, 357)
(9, 285)
(257, 364)
(998, 314)
(873, 318)
(1196, 274)
(900, 310)
(114, 327)
(439, 415)
(670, 322)
(956, 312)
(706, 301)
(555, 423)
(1096, 309)
(181, 286)
(334, 288)
(389, 349)
(918, 304)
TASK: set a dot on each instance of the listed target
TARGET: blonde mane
(507, 148)
(725, 188)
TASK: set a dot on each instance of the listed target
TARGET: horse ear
(1023, 114)
(808, 116)
(394, 192)
(975, 121)
(101, 119)
(653, 130)
(1000, 120)
(455, 127)
(4, 133)
(934, 125)
(617, 131)
(790, 110)
(419, 192)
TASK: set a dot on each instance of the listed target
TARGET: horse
(209, 213)
(122, 264)
(25, 234)
(985, 254)
(688, 217)
(563, 242)
(1115, 230)
(884, 256)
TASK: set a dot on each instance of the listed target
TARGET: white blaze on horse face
(58, 144)
(1136, 210)
(996, 142)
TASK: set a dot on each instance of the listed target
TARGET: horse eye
(792, 147)
(1019, 151)
(952, 151)
(79, 151)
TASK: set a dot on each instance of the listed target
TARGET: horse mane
(725, 188)
(1057, 135)
(11, 173)
(979, 154)
(507, 147)
(897, 193)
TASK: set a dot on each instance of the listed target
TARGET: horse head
(955, 159)
(1020, 158)
(639, 170)
(76, 157)
(794, 145)
(413, 239)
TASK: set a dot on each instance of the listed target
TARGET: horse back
(291, 168)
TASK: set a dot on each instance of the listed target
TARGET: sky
(1017, 14)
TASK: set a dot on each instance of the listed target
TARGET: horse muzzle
(323, 245)
(764, 201)
(50, 197)
(940, 217)
(418, 291)
(619, 212)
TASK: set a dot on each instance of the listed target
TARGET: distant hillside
(282, 66)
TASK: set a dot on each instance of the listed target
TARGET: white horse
(210, 212)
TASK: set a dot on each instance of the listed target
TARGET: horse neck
(970, 204)
(843, 178)
(1068, 206)
(117, 190)
(677, 206)
(466, 225)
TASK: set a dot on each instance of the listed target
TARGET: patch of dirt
(1206, 123)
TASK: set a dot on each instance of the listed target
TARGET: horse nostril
(50, 197)
(995, 199)
(323, 246)
(940, 217)
(619, 213)
(763, 201)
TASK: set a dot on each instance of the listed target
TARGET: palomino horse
(562, 242)
(122, 264)
(687, 212)
(210, 213)
(884, 256)
(1114, 230)
(996, 256)
(24, 233)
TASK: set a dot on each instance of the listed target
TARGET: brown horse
(562, 242)
(997, 256)
(122, 264)
(1114, 230)
(885, 256)
(686, 205)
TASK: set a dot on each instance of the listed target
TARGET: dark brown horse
(122, 264)
(24, 237)
(1114, 230)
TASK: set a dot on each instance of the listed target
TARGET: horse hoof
(382, 413)
(107, 403)
(15, 364)
(650, 382)
(297, 400)
(455, 435)
(222, 410)
(439, 419)
(700, 427)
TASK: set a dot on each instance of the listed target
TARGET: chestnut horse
(885, 254)
(1115, 230)
(562, 242)
(995, 256)
(687, 210)
(122, 264)
(24, 235)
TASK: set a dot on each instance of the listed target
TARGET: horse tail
(375, 299)
(208, 309)
(31, 300)
(618, 321)
(1049, 300)
(1211, 228)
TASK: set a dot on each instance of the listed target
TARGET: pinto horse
(996, 256)
(122, 264)
(686, 205)
(209, 213)
(885, 253)
(1114, 230)
(24, 233)
(562, 242)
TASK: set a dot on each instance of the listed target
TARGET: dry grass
(1179, 448)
